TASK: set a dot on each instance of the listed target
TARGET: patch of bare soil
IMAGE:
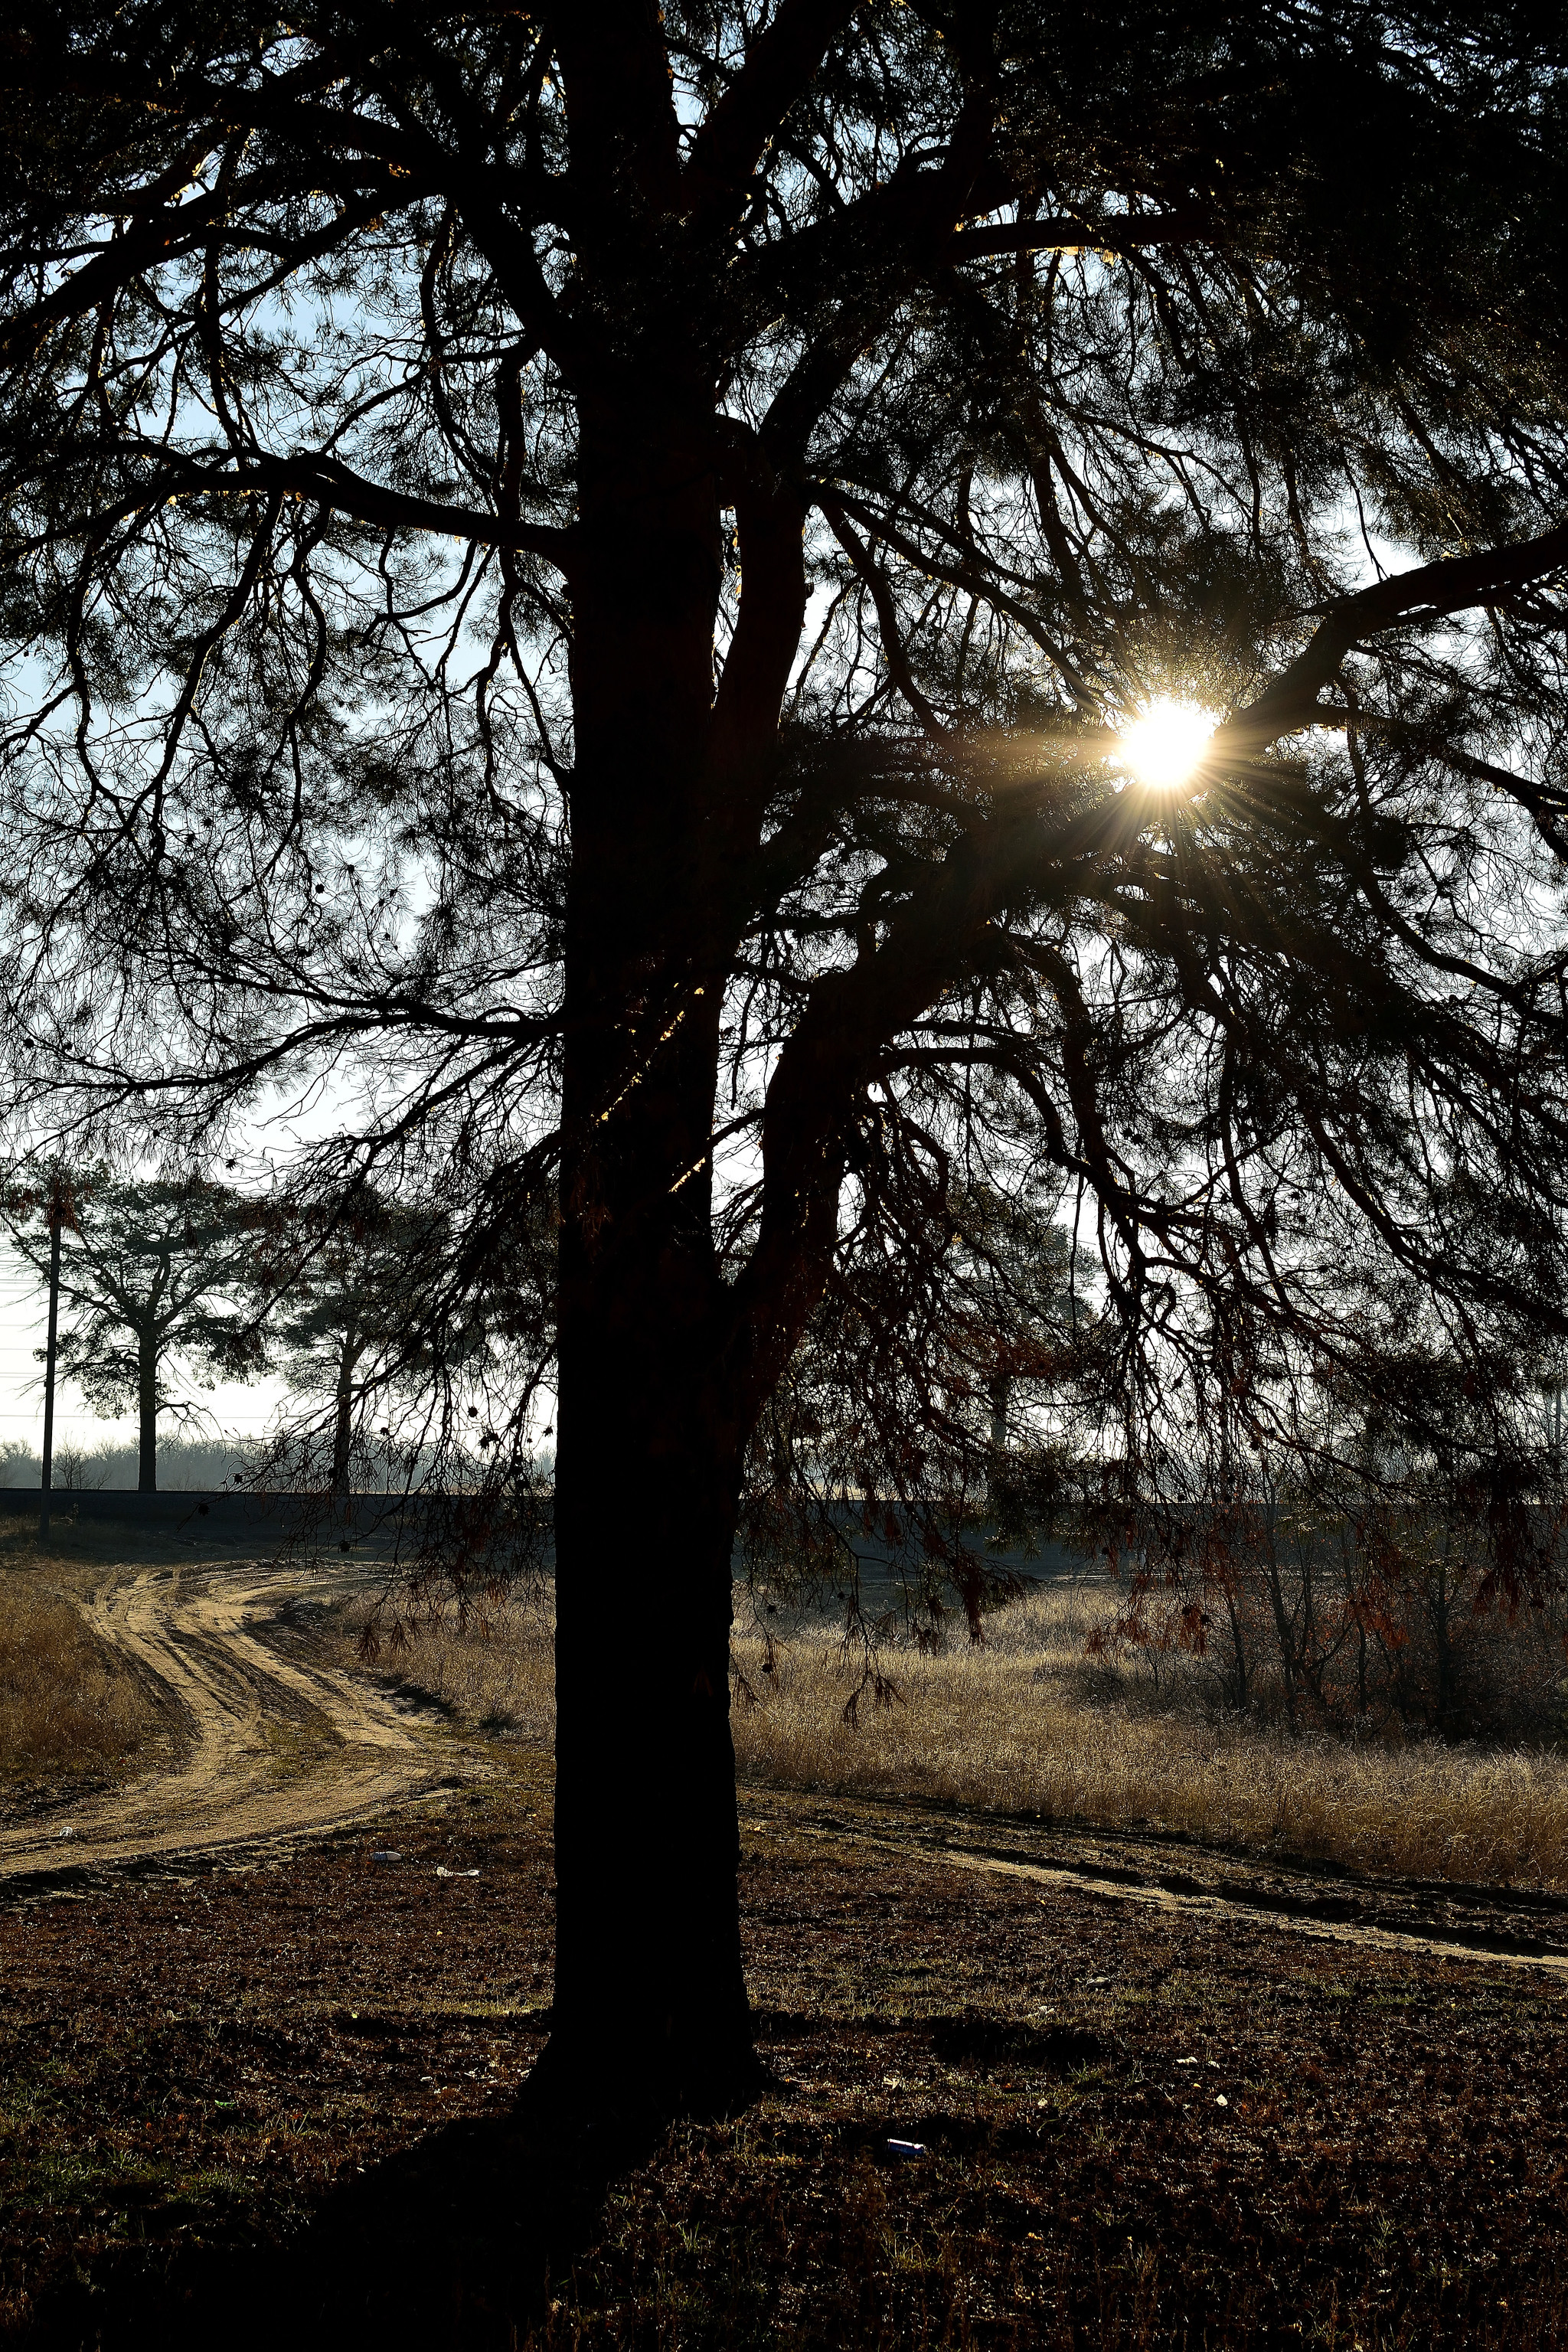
(1512, 1926)
(277, 2103)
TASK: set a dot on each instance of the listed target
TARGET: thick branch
(327, 482)
(778, 69)
(903, 224)
(1450, 585)
(769, 519)
(1067, 233)
(619, 105)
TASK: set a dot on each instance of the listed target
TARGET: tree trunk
(650, 2000)
(1440, 1618)
(1240, 1664)
(147, 1412)
(344, 1418)
(1284, 1629)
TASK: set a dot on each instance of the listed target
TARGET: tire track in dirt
(1217, 1903)
(279, 1746)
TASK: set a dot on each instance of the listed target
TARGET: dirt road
(278, 1744)
(1499, 1927)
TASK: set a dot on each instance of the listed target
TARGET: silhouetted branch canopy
(637, 534)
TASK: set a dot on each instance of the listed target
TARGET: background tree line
(1350, 1581)
(174, 1282)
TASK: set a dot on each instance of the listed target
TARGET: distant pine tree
(152, 1272)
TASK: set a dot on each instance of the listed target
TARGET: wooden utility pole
(56, 1216)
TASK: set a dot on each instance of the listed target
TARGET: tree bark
(147, 1412)
(650, 2003)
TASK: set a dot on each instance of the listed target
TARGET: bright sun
(1165, 742)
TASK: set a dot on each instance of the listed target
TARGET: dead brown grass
(496, 1671)
(68, 1709)
(1026, 1723)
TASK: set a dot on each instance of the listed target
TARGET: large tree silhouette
(579, 570)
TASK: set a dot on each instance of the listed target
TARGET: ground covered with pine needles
(276, 2103)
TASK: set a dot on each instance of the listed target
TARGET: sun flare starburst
(1166, 743)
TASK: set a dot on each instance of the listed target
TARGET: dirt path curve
(1496, 1927)
(280, 1745)
(1229, 1907)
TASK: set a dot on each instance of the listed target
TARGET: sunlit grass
(1026, 1724)
(68, 1706)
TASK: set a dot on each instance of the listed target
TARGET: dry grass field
(70, 1711)
(1028, 1723)
(496, 1671)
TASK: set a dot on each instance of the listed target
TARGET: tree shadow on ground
(451, 2245)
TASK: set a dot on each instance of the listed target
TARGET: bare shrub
(67, 1708)
(1384, 1616)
